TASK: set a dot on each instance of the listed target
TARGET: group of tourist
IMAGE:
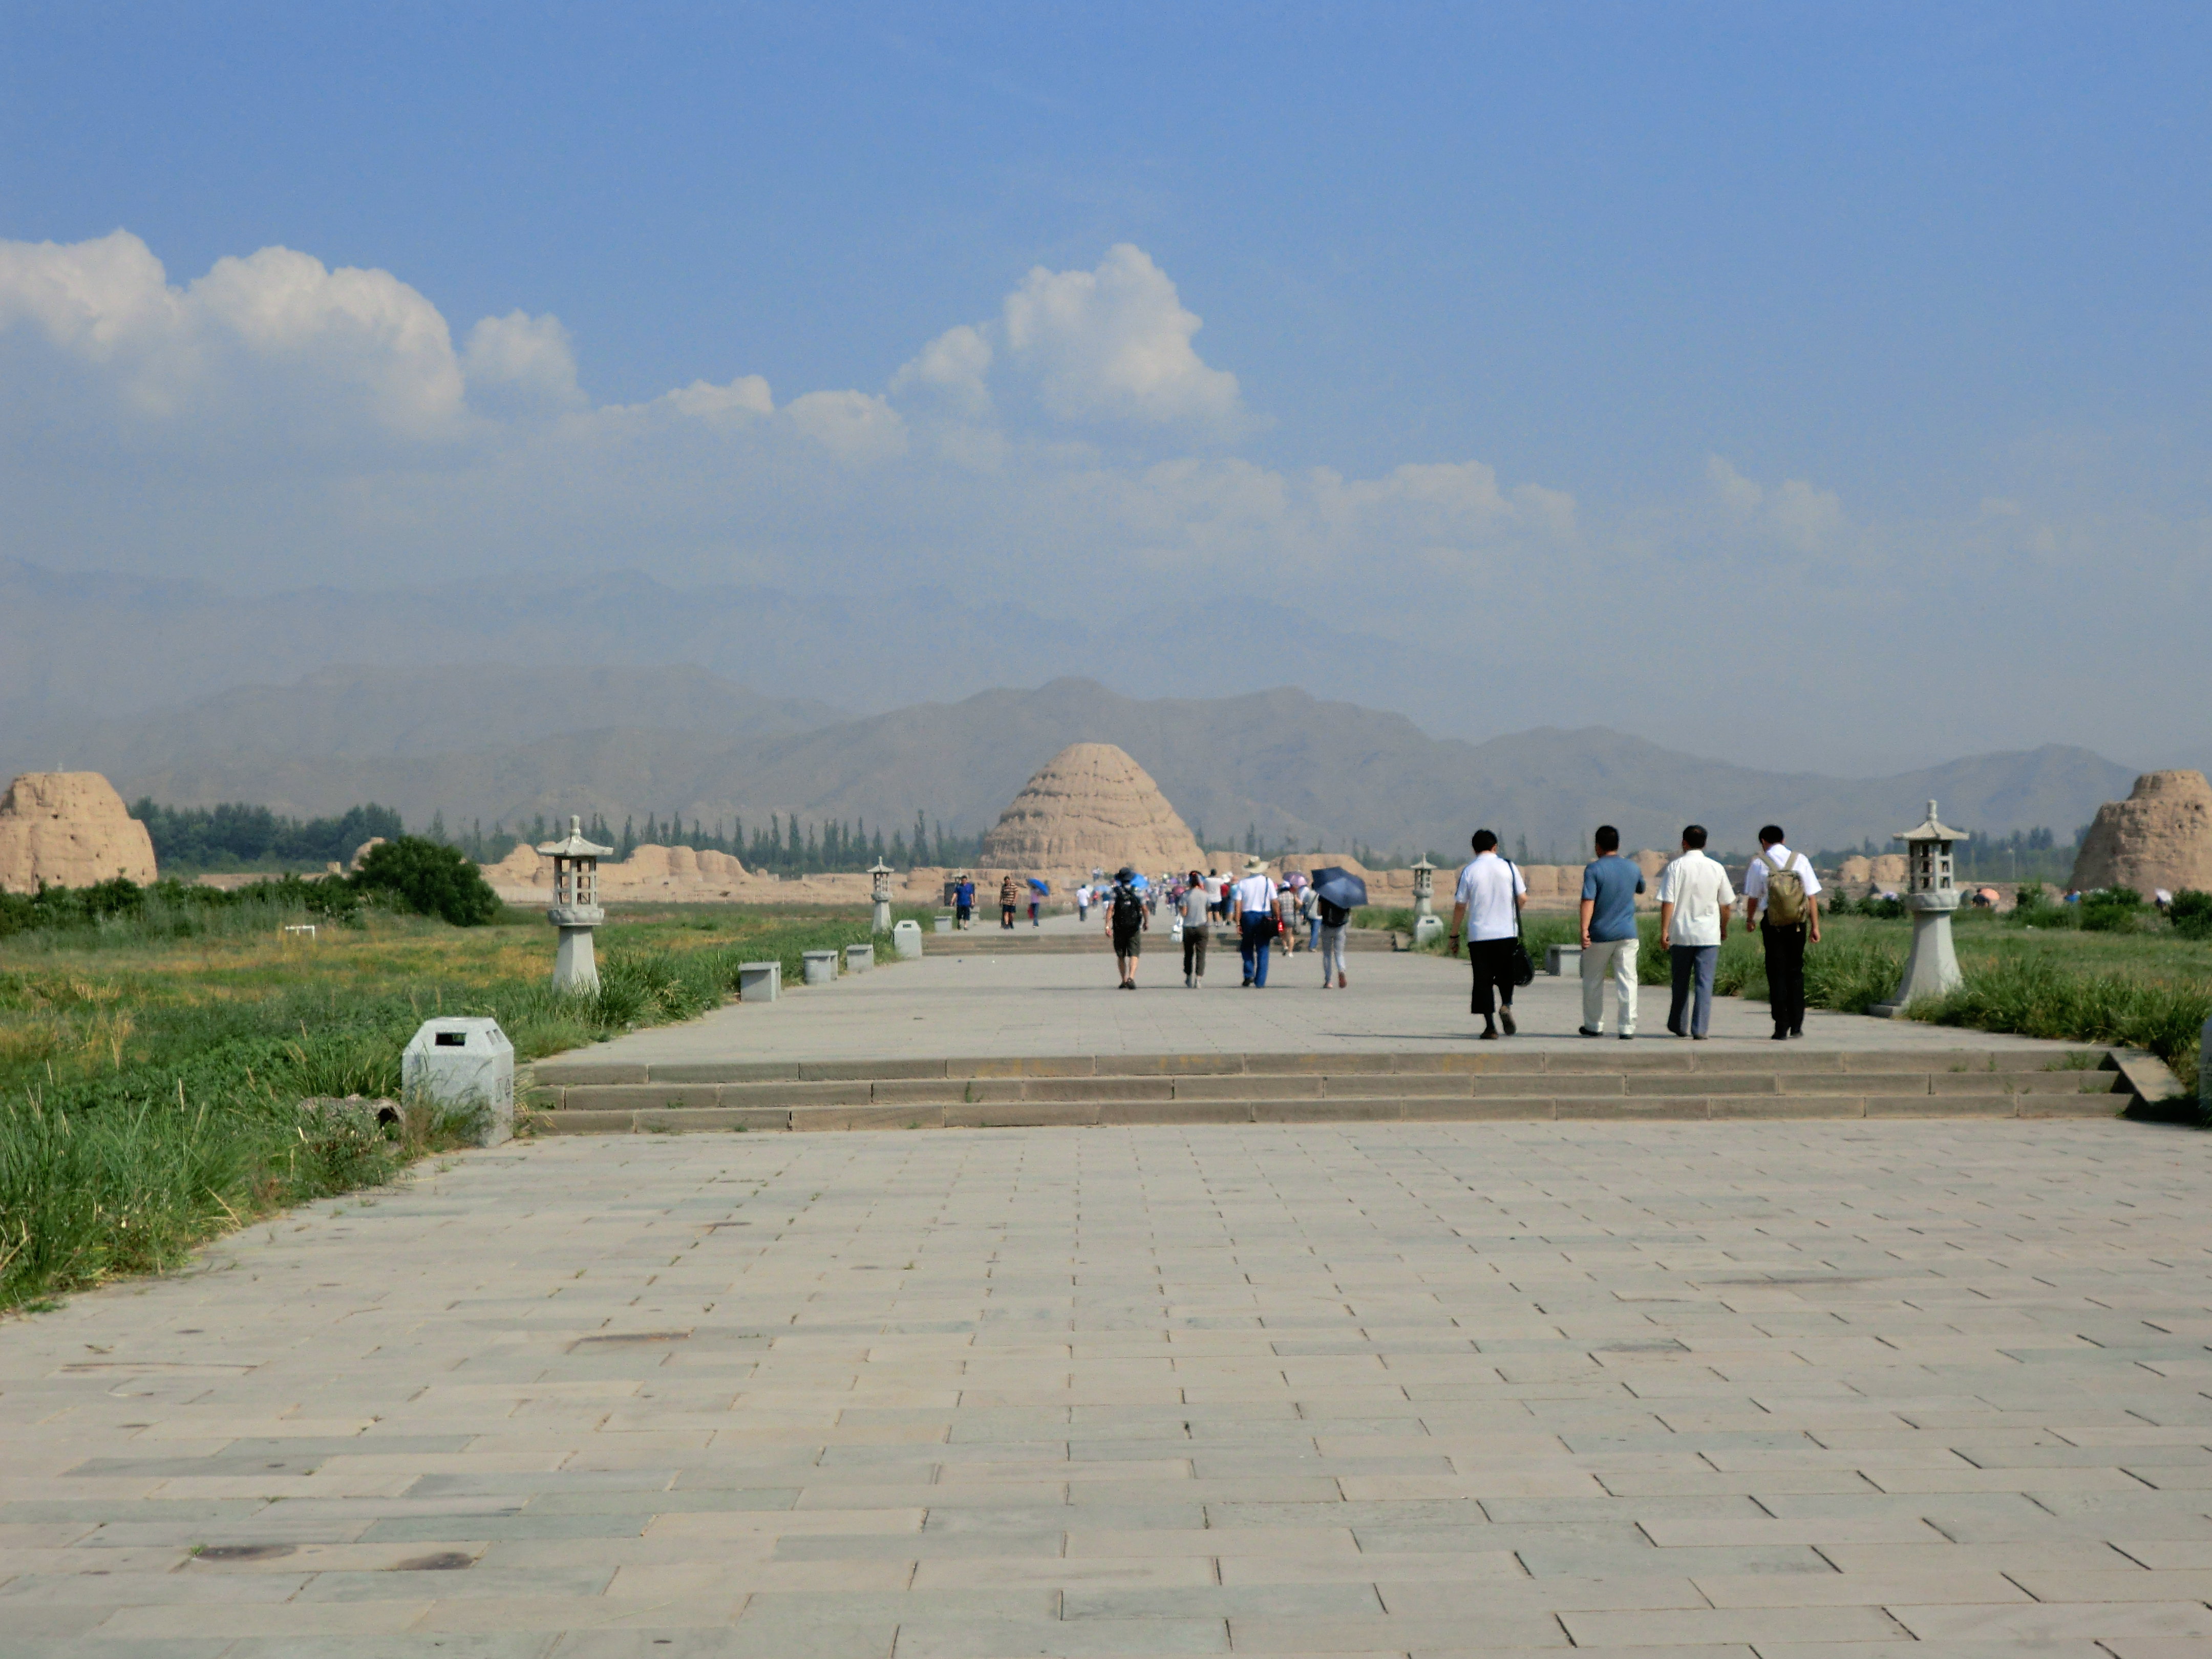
(1781, 899)
(1696, 900)
(1264, 911)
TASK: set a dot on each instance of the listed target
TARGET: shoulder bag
(1524, 971)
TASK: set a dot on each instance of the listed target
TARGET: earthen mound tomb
(2160, 836)
(1091, 807)
(68, 830)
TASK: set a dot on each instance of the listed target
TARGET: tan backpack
(1785, 893)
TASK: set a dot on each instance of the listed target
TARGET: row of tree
(238, 836)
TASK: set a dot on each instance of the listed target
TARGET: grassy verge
(151, 1071)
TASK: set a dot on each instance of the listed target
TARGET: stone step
(1659, 1056)
(895, 1092)
(1100, 1114)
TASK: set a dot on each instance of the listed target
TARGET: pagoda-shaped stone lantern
(1427, 924)
(1931, 895)
(879, 891)
(575, 910)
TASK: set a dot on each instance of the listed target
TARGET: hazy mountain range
(490, 743)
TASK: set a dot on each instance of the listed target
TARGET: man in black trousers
(1783, 882)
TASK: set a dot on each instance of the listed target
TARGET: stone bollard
(465, 1065)
(859, 958)
(906, 939)
(1428, 927)
(945, 922)
(760, 981)
(1562, 960)
(2204, 1071)
(818, 967)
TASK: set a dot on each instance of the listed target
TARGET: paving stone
(1395, 1388)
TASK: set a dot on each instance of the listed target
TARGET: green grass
(150, 1079)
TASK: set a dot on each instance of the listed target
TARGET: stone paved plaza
(1789, 1390)
(1018, 1003)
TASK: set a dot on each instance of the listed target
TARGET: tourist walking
(1082, 902)
(1309, 913)
(1197, 929)
(1694, 901)
(1610, 884)
(1126, 921)
(963, 903)
(1008, 899)
(1254, 899)
(1486, 912)
(1332, 919)
(1782, 884)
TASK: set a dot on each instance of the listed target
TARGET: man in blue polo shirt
(1610, 884)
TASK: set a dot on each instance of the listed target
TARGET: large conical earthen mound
(68, 830)
(1090, 808)
(2160, 836)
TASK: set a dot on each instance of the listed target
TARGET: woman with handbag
(1486, 910)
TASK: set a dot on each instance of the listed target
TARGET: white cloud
(519, 363)
(1114, 344)
(742, 398)
(853, 425)
(953, 365)
(1795, 513)
(275, 333)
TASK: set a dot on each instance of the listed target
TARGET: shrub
(2111, 910)
(429, 880)
(2191, 914)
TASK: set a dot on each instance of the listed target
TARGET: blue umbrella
(1340, 887)
(1041, 888)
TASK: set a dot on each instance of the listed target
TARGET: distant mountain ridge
(486, 743)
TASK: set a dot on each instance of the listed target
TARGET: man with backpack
(1126, 921)
(1782, 883)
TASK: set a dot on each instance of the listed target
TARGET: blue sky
(1860, 289)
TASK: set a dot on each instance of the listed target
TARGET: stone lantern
(1427, 924)
(575, 910)
(879, 892)
(1931, 895)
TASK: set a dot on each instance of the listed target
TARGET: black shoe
(1247, 985)
(1782, 1036)
(1697, 1036)
(1489, 1035)
(1797, 1034)
(1505, 1018)
(1628, 1037)
(1584, 1030)
(1676, 1030)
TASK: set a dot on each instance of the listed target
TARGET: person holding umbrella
(1337, 892)
(1038, 890)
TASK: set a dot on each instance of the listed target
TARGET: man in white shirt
(1254, 899)
(1792, 921)
(1694, 901)
(1486, 909)
(1082, 902)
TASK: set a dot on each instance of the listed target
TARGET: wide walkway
(1796, 1391)
(1013, 1003)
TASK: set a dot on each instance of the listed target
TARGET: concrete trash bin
(820, 967)
(945, 922)
(1564, 960)
(859, 958)
(759, 982)
(464, 1064)
(906, 939)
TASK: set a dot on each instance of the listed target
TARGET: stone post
(1427, 924)
(879, 891)
(1931, 898)
(575, 910)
